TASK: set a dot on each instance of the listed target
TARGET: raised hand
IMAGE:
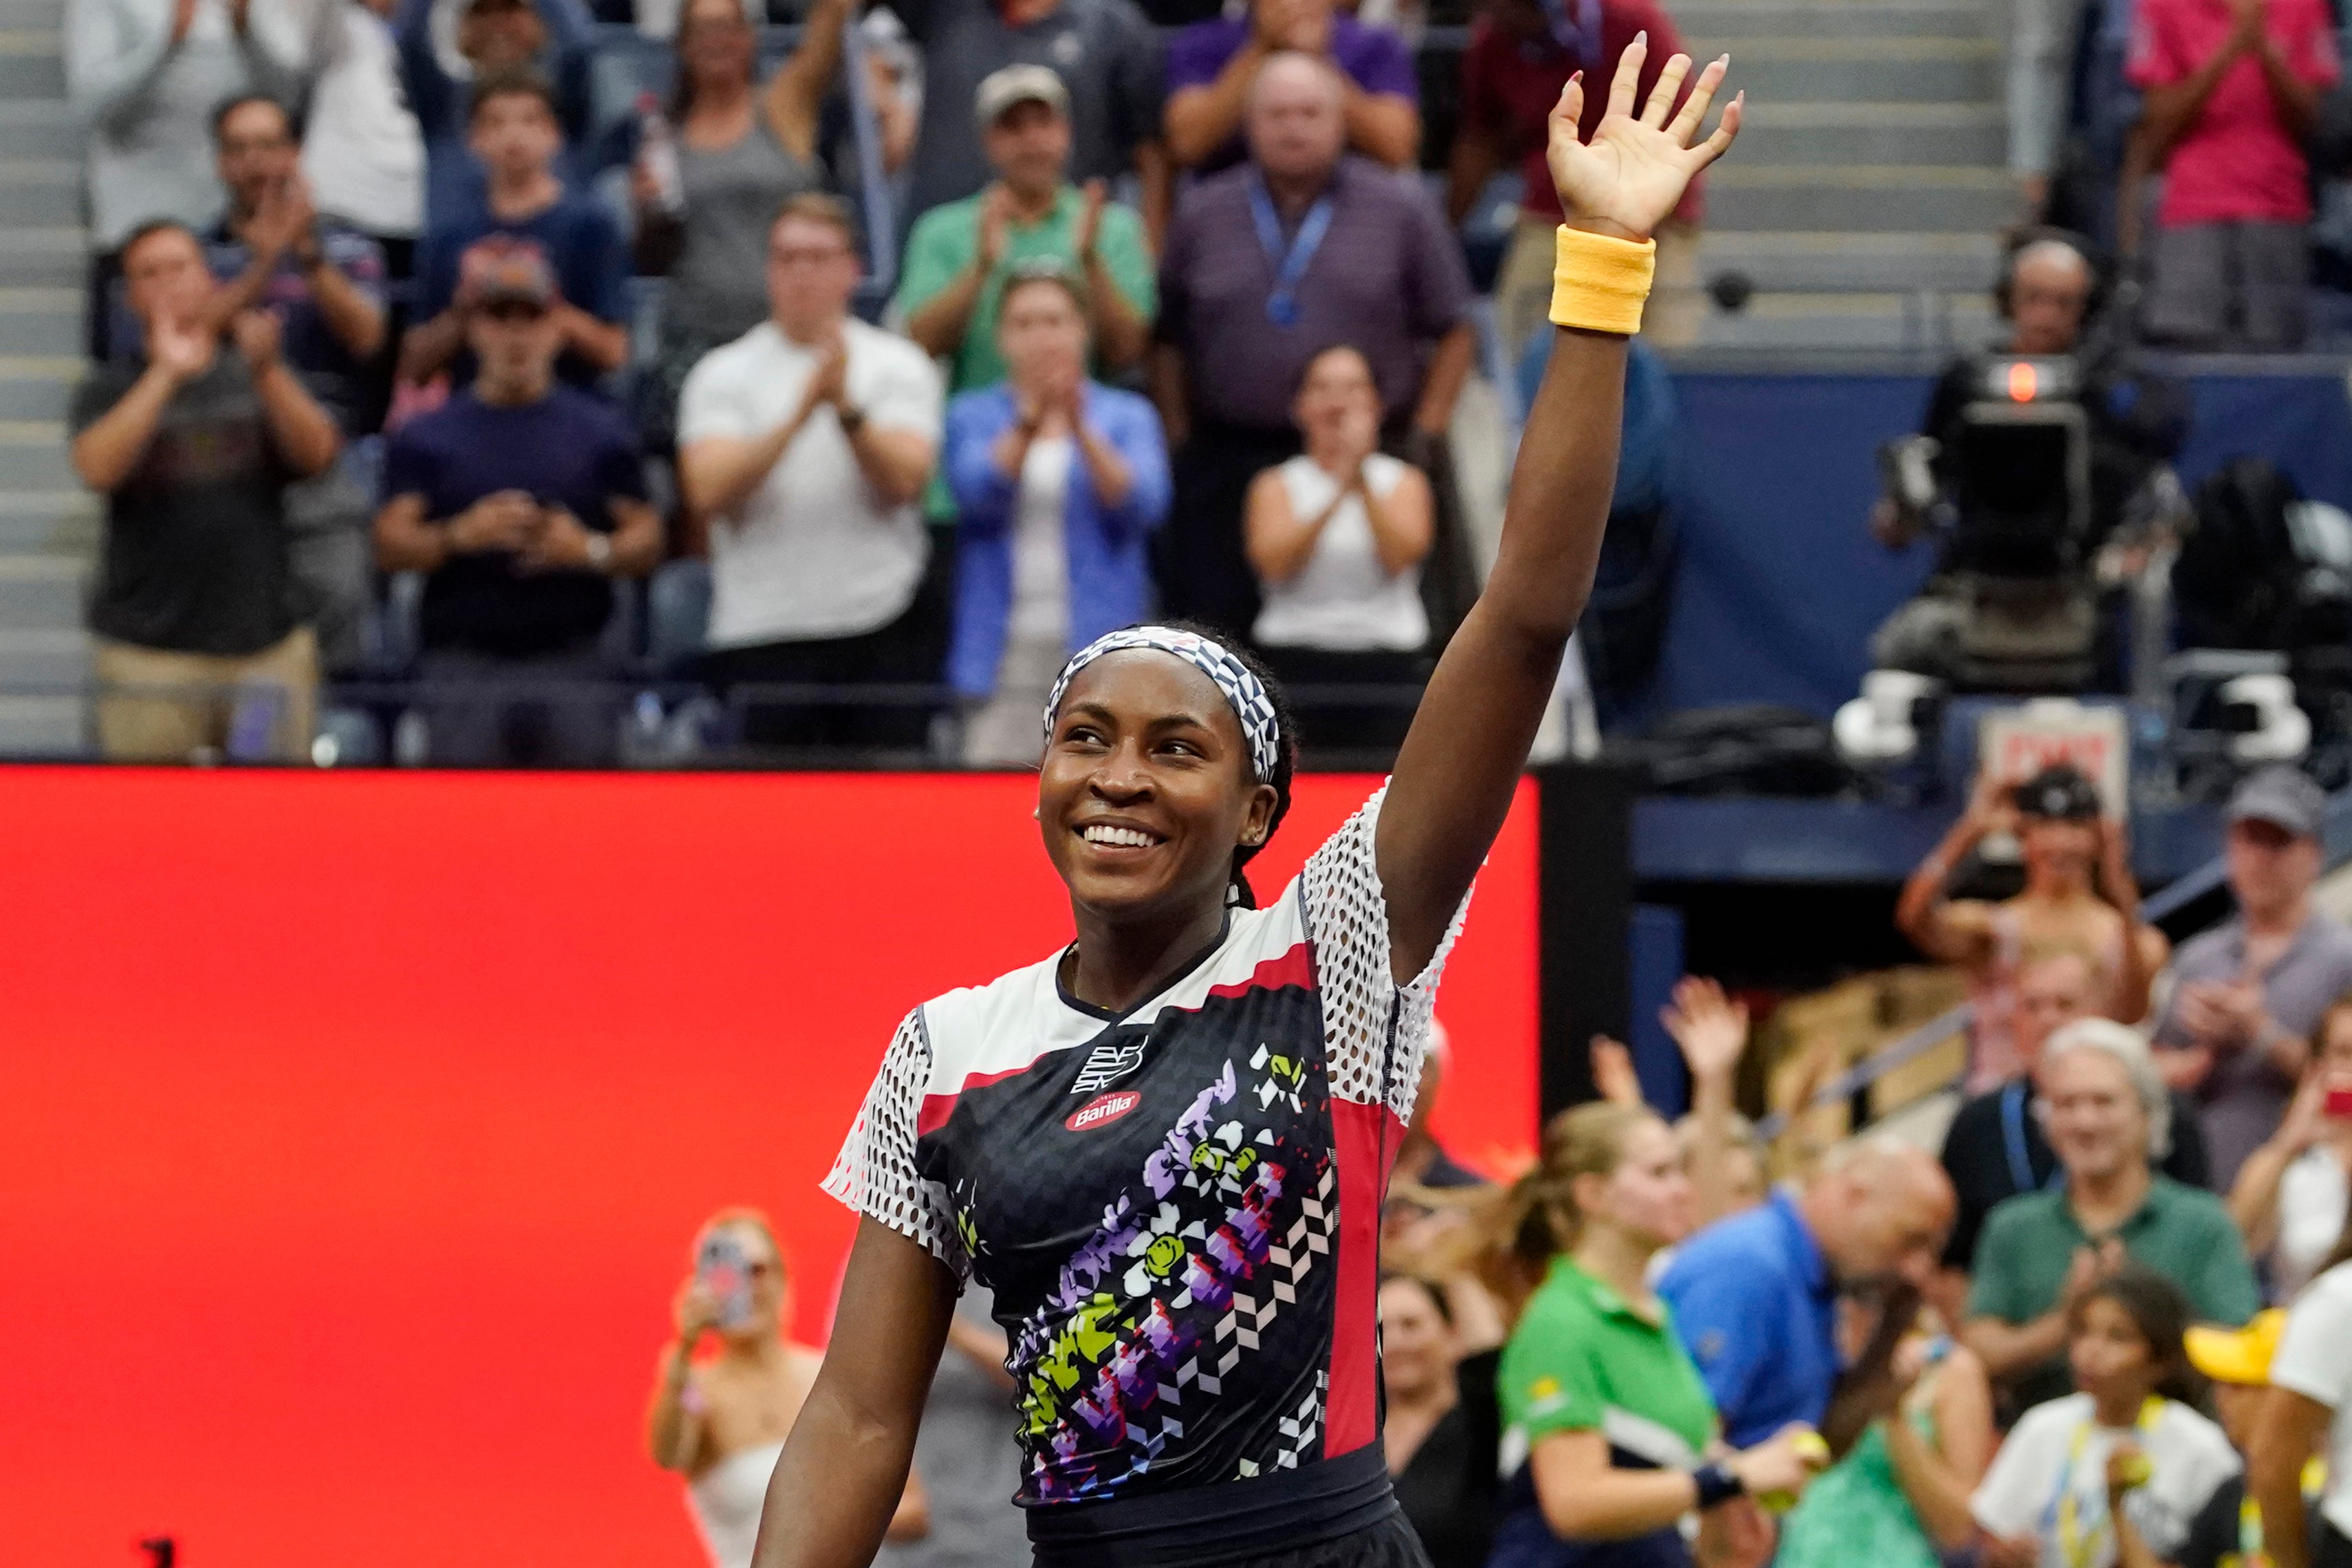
(1613, 1078)
(1711, 1029)
(1631, 175)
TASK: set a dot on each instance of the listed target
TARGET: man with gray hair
(2237, 1033)
(2107, 1114)
(1303, 248)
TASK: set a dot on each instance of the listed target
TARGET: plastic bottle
(658, 149)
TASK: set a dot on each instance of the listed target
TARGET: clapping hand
(1711, 1029)
(181, 349)
(503, 520)
(1082, 239)
(2224, 1015)
(284, 220)
(558, 542)
(258, 338)
(1632, 174)
(995, 219)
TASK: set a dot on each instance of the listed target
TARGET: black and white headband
(1243, 690)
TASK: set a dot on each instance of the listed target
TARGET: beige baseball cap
(1001, 89)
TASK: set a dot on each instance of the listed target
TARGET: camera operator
(2051, 292)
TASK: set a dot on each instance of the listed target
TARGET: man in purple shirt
(1212, 64)
(1266, 265)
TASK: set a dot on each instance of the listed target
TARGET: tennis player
(1164, 1147)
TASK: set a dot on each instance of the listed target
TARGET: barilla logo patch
(1103, 1110)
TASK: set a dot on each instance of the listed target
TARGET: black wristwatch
(1716, 1484)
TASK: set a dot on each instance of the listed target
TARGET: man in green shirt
(960, 255)
(2106, 1115)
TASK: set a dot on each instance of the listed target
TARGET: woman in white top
(2293, 1194)
(1337, 536)
(2111, 1476)
(722, 1421)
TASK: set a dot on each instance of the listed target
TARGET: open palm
(1634, 169)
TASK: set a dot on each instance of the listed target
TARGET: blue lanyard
(1289, 265)
(2012, 1134)
(1581, 36)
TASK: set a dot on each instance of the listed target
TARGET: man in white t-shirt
(802, 448)
(2310, 1401)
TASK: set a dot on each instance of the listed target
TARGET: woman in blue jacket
(1058, 482)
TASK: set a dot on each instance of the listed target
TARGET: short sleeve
(620, 473)
(940, 248)
(1375, 1031)
(1993, 1291)
(95, 396)
(408, 469)
(1547, 1382)
(2314, 1354)
(2225, 1289)
(709, 403)
(1715, 1305)
(906, 394)
(2025, 1473)
(875, 1173)
(1128, 259)
(2155, 59)
(1384, 64)
(1197, 54)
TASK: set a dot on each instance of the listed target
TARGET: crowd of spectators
(1244, 325)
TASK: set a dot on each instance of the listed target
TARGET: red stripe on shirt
(937, 1108)
(1294, 967)
(1364, 1139)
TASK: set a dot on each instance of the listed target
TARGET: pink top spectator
(2237, 164)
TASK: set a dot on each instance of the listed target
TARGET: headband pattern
(1243, 690)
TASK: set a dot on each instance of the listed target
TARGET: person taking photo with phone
(719, 1420)
(2291, 1196)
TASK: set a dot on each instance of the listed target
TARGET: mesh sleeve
(876, 1173)
(1374, 1030)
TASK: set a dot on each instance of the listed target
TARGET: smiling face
(1147, 789)
(2095, 1119)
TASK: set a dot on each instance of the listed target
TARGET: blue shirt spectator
(1757, 1306)
(491, 37)
(526, 204)
(1058, 483)
(1755, 1295)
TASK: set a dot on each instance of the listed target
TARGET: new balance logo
(1108, 1063)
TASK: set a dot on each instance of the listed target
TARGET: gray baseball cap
(2282, 796)
(1001, 89)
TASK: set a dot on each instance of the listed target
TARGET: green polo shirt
(945, 240)
(2180, 1232)
(1582, 1360)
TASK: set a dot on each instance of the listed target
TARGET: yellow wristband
(1599, 283)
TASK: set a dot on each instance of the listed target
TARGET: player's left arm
(1463, 757)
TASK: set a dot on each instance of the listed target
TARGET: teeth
(1119, 838)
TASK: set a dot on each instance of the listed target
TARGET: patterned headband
(1245, 693)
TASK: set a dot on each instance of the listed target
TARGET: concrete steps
(1870, 181)
(48, 523)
